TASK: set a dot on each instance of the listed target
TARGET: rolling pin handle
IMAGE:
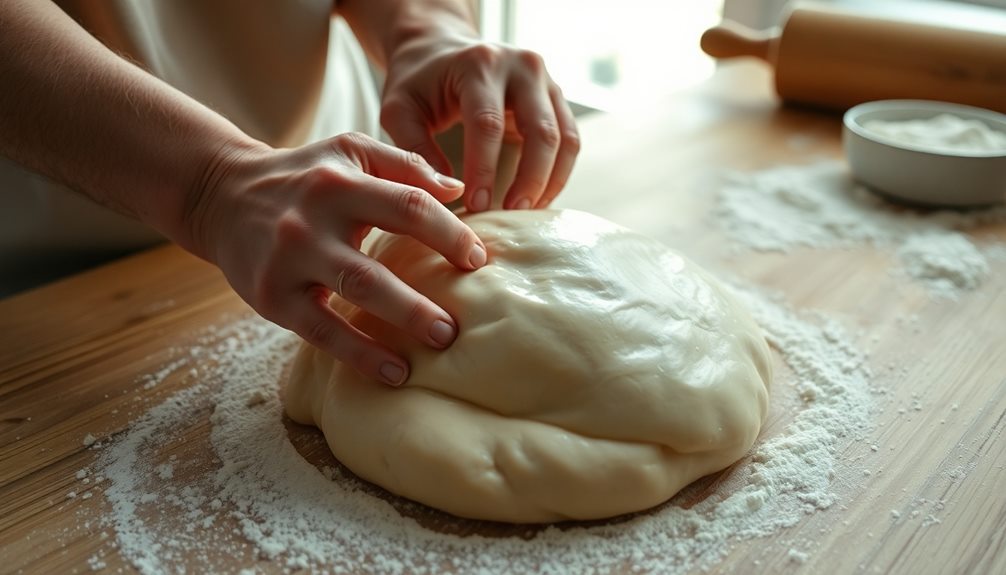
(732, 40)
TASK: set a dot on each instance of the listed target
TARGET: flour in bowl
(942, 133)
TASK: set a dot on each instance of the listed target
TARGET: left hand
(438, 79)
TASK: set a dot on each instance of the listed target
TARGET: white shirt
(284, 71)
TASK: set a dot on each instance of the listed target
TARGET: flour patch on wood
(820, 206)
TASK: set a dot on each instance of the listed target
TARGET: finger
(316, 322)
(536, 121)
(482, 115)
(409, 128)
(411, 211)
(369, 285)
(394, 164)
(569, 148)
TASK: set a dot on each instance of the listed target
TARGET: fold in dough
(596, 373)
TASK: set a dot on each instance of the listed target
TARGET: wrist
(419, 22)
(385, 26)
(211, 188)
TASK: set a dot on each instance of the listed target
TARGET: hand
(285, 226)
(436, 79)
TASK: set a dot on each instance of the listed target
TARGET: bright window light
(608, 55)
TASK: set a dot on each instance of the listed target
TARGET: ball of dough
(596, 373)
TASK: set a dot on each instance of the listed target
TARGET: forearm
(383, 25)
(81, 115)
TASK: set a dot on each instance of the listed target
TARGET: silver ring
(338, 283)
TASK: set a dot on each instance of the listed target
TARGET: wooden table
(72, 353)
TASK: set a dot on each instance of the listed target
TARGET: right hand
(285, 226)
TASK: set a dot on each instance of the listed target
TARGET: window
(607, 55)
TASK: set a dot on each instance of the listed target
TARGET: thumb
(408, 128)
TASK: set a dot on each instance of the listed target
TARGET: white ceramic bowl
(918, 174)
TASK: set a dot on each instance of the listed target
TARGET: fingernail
(522, 204)
(480, 201)
(449, 182)
(477, 257)
(392, 373)
(442, 332)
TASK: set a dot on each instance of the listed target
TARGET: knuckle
(323, 332)
(321, 179)
(352, 142)
(490, 124)
(415, 206)
(482, 55)
(415, 320)
(359, 281)
(485, 171)
(531, 61)
(547, 132)
(531, 183)
(571, 141)
(412, 157)
(291, 230)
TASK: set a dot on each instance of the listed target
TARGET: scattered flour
(165, 471)
(95, 563)
(797, 556)
(152, 380)
(258, 498)
(945, 263)
(820, 206)
(942, 133)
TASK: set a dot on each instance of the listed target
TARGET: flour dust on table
(819, 206)
(248, 498)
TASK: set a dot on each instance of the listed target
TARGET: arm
(383, 25)
(76, 112)
(285, 226)
(439, 71)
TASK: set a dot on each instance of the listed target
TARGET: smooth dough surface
(596, 373)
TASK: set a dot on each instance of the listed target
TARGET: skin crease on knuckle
(531, 62)
(417, 322)
(359, 281)
(571, 142)
(352, 141)
(414, 159)
(354, 146)
(527, 184)
(415, 207)
(490, 124)
(319, 181)
(482, 56)
(547, 133)
(326, 334)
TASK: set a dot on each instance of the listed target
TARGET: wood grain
(73, 355)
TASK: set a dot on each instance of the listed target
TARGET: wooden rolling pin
(837, 57)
